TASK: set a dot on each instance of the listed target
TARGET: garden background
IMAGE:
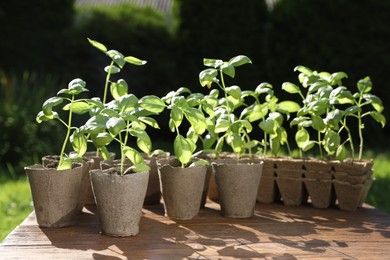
(44, 46)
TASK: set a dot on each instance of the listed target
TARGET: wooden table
(274, 232)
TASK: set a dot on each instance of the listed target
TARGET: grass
(380, 190)
(15, 204)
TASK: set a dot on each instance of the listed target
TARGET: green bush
(22, 140)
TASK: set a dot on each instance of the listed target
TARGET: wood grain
(274, 232)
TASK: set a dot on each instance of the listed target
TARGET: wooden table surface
(274, 232)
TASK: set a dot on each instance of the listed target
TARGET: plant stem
(107, 81)
(69, 125)
(319, 144)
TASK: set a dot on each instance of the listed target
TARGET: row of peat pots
(59, 196)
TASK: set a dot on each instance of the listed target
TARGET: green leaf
(115, 125)
(79, 142)
(176, 116)
(268, 126)
(112, 69)
(228, 70)
(331, 142)
(234, 91)
(42, 117)
(341, 153)
(102, 139)
(135, 61)
(143, 140)
(75, 87)
(196, 119)
(364, 85)
(317, 123)
(303, 70)
(134, 156)
(119, 89)
(333, 118)
(290, 88)
(152, 103)
(215, 63)
(64, 164)
(221, 125)
(98, 45)
(96, 124)
(375, 101)
(149, 121)
(207, 77)
(352, 110)
(200, 162)
(288, 106)
(182, 149)
(239, 60)
(127, 103)
(337, 77)
(78, 107)
(236, 143)
(378, 117)
(302, 137)
(49, 104)
(117, 57)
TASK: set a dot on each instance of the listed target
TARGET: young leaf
(135, 61)
(378, 117)
(65, 164)
(228, 70)
(182, 149)
(234, 91)
(78, 107)
(149, 121)
(290, 88)
(196, 119)
(98, 45)
(207, 77)
(143, 140)
(303, 70)
(49, 104)
(134, 156)
(115, 125)
(288, 106)
(152, 103)
(102, 139)
(119, 89)
(239, 60)
(212, 62)
(79, 142)
(302, 137)
(112, 69)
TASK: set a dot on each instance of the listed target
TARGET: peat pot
(237, 187)
(55, 194)
(119, 200)
(181, 189)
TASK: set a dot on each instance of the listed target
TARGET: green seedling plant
(117, 88)
(318, 111)
(223, 124)
(270, 113)
(326, 107)
(73, 106)
(360, 103)
(188, 108)
(121, 119)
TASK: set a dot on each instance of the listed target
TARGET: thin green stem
(107, 82)
(69, 125)
(319, 144)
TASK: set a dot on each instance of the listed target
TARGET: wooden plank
(275, 231)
